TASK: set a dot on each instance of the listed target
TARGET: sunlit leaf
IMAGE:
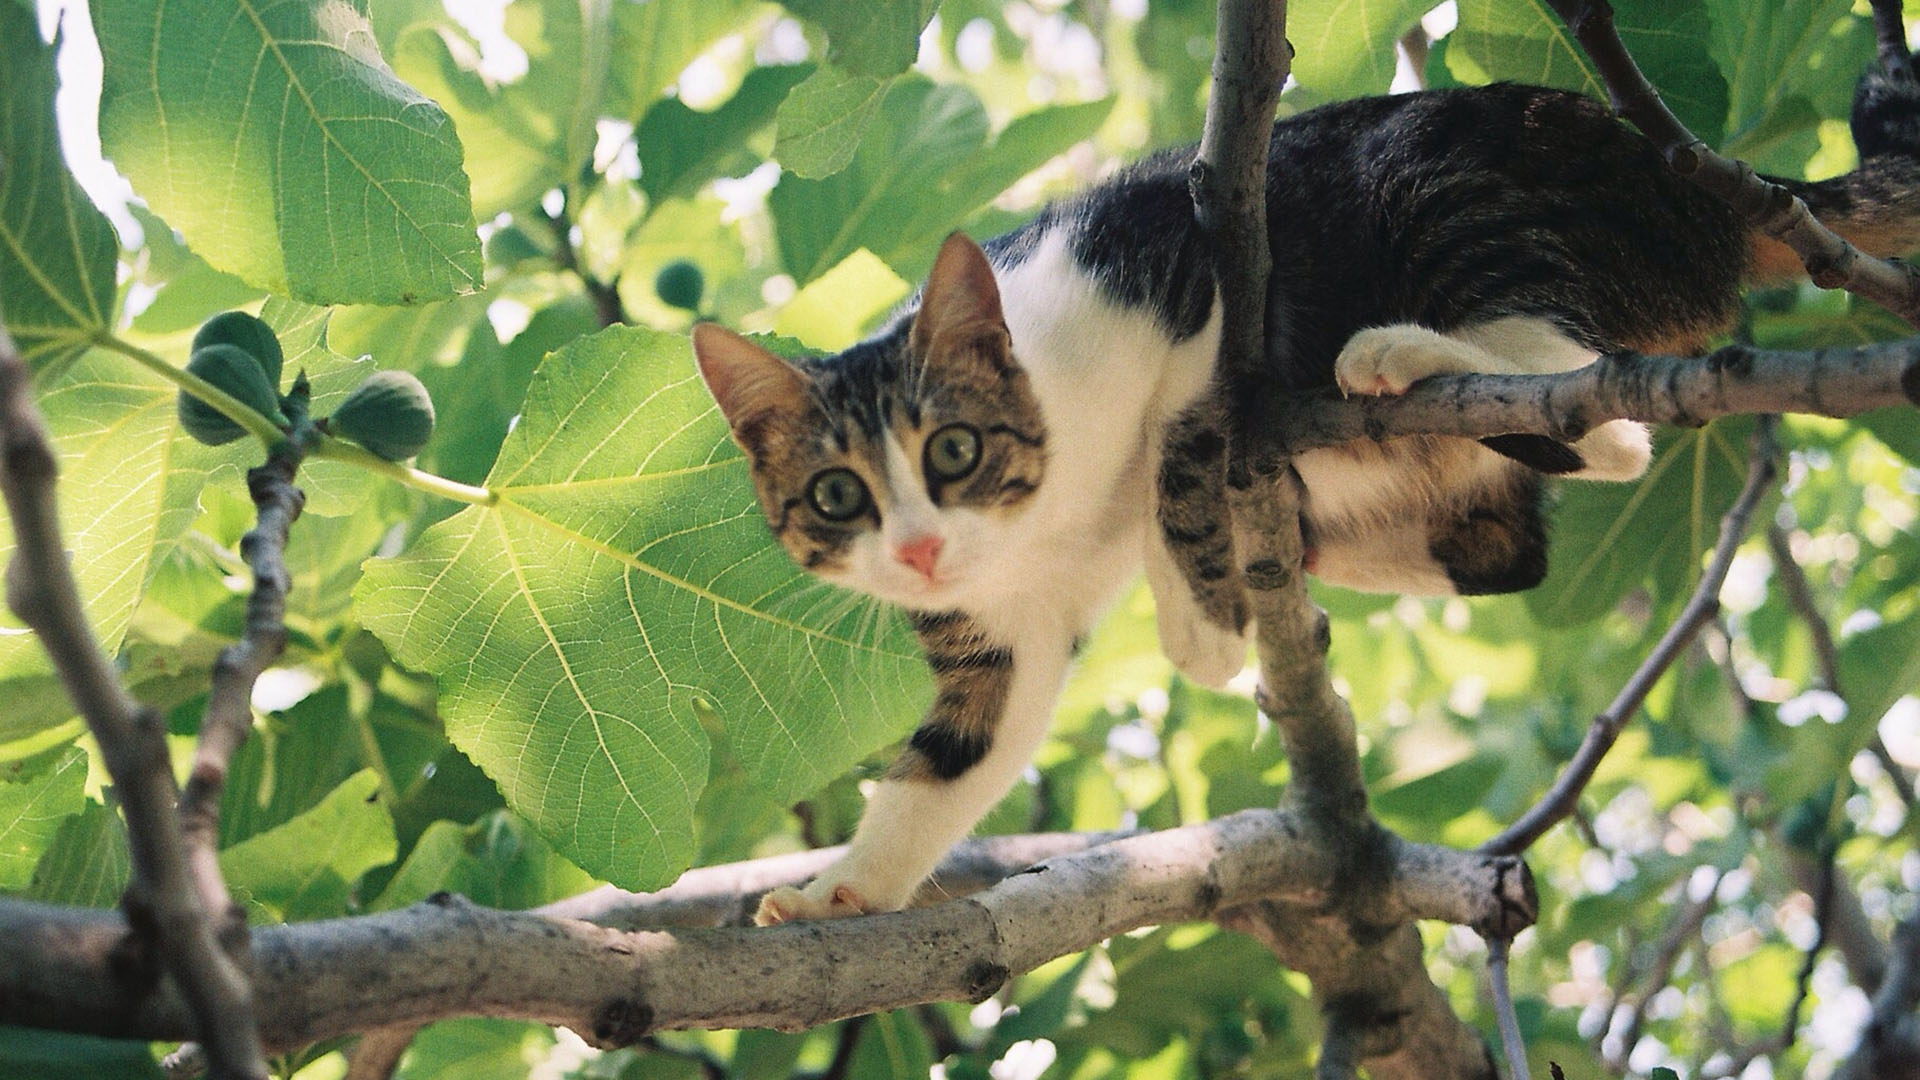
(129, 480)
(56, 250)
(36, 795)
(285, 150)
(824, 118)
(305, 869)
(87, 864)
(1345, 48)
(627, 574)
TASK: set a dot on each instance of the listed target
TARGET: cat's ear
(960, 307)
(747, 380)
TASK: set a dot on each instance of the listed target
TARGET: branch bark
(167, 911)
(1687, 391)
(447, 957)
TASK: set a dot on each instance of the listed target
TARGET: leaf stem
(229, 406)
(340, 450)
(270, 435)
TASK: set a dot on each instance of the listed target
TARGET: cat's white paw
(1203, 650)
(1388, 359)
(819, 900)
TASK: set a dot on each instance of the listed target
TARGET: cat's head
(896, 466)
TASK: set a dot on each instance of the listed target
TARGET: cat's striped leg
(1199, 601)
(992, 708)
(1388, 359)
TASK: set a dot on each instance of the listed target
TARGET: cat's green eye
(838, 494)
(953, 452)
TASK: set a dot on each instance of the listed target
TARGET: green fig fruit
(680, 284)
(237, 371)
(389, 414)
(250, 334)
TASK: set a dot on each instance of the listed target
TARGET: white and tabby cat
(994, 461)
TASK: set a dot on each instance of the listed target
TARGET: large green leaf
(285, 150)
(305, 869)
(129, 481)
(1610, 538)
(868, 37)
(36, 795)
(1525, 41)
(535, 132)
(924, 167)
(1345, 48)
(56, 250)
(625, 575)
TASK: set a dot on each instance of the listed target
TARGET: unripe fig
(236, 371)
(389, 414)
(680, 284)
(250, 334)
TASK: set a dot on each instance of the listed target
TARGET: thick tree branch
(1831, 261)
(1688, 391)
(1383, 1011)
(447, 957)
(1560, 800)
(165, 907)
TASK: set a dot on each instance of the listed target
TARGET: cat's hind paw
(1388, 359)
(788, 904)
(1203, 650)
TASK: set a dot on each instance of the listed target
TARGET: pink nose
(921, 553)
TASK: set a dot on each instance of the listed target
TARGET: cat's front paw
(1205, 651)
(788, 904)
(1388, 359)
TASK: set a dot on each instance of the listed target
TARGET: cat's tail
(1877, 206)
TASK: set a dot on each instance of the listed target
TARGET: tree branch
(447, 957)
(165, 908)
(1564, 796)
(1687, 391)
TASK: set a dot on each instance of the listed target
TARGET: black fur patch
(1537, 452)
(947, 750)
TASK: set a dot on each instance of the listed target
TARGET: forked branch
(167, 909)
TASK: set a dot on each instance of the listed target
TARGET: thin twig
(1684, 929)
(1510, 1040)
(1831, 261)
(1561, 799)
(605, 295)
(1793, 581)
(164, 905)
(228, 719)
